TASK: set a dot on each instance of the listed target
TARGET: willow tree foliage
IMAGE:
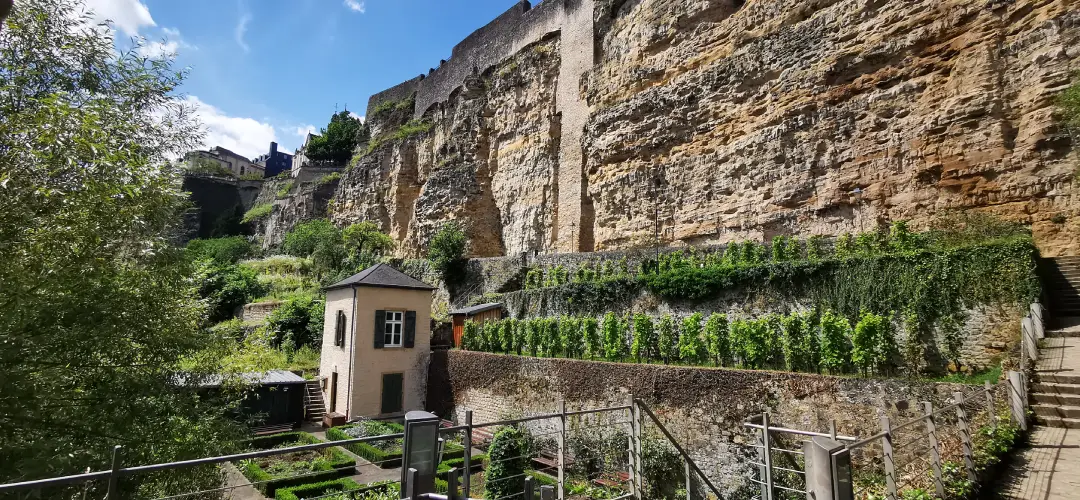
(99, 310)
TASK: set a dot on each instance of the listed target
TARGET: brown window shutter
(380, 328)
(410, 328)
(339, 333)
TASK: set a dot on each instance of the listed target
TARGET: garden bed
(268, 474)
(386, 454)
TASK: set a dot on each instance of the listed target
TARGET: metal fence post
(991, 410)
(766, 442)
(637, 483)
(562, 448)
(452, 478)
(828, 470)
(466, 478)
(547, 493)
(832, 429)
(1018, 399)
(409, 488)
(887, 458)
(935, 451)
(689, 479)
(529, 491)
(114, 478)
(965, 435)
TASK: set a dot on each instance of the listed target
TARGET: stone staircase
(1056, 392)
(314, 409)
(1061, 282)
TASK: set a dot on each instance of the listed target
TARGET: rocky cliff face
(721, 120)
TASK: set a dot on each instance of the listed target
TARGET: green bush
(298, 322)
(316, 489)
(691, 347)
(835, 342)
(257, 212)
(590, 332)
(229, 250)
(508, 460)
(644, 341)
(717, 342)
(613, 337)
(226, 287)
(668, 340)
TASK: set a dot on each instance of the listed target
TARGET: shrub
(366, 238)
(227, 250)
(613, 338)
(815, 248)
(716, 339)
(506, 335)
(508, 460)
(469, 333)
(533, 335)
(835, 345)
(644, 338)
(224, 288)
(305, 237)
(446, 251)
(797, 346)
(298, 322)
(590, 332)
(257, 212)
(667, 338)
(333, 464)
(570, 336)
(691, 347)
(661, 467)
(284, 188)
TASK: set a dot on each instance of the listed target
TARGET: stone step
(1057, 399)
(1059, 377)
(1051, 388)
(1068, 423)
(1048, 410)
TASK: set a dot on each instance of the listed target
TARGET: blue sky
(265, 70)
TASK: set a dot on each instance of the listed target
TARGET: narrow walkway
(1049, 468)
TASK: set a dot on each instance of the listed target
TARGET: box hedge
(339, 464)
(385, 459)
(316, 489)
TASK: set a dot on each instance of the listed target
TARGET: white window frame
(390, 321)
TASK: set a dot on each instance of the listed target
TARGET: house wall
(364, 396)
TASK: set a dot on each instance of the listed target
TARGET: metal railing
(780, 467)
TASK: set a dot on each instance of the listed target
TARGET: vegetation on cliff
(335, 144)
(99, 308)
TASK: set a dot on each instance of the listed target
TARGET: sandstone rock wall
(721, 120)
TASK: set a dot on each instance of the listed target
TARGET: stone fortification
(583, 125)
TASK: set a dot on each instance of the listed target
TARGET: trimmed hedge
(478, 463)
(385, 459)
(316, 489)
(338, 465)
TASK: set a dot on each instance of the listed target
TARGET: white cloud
(156, 50)
(355, 5)
(127, 15)
(241, 30)
(173, 32)
(358, 117)
(305, 130)
(246, 136)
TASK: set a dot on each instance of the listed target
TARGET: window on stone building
(392, 329)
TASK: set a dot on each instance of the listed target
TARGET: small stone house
(376, 343)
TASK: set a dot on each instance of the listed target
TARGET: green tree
(520, 331)
(506, 335)
(644, 338)
(716, 339)
(570, 336)
(668, 339)
(590, 333)
(469, 334)
(508, 459)
(99, 309)
(446, 251)
(335, 144)
(691, 347)
(533, 335)
(366, 237)
(305, 237)
(613, 337)
(795, 345)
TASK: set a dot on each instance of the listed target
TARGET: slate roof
(469, 311)
(382, 276)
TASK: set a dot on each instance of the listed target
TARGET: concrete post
(1017, 386)
(1031, 346)
(637, 482)
(828, 470)
(887, 454)
(935, 451)
(989, 392)
(1037, 320)
(114, 477)
(965, 435)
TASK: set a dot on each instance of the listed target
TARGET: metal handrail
(686, 456)
(800, 432)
